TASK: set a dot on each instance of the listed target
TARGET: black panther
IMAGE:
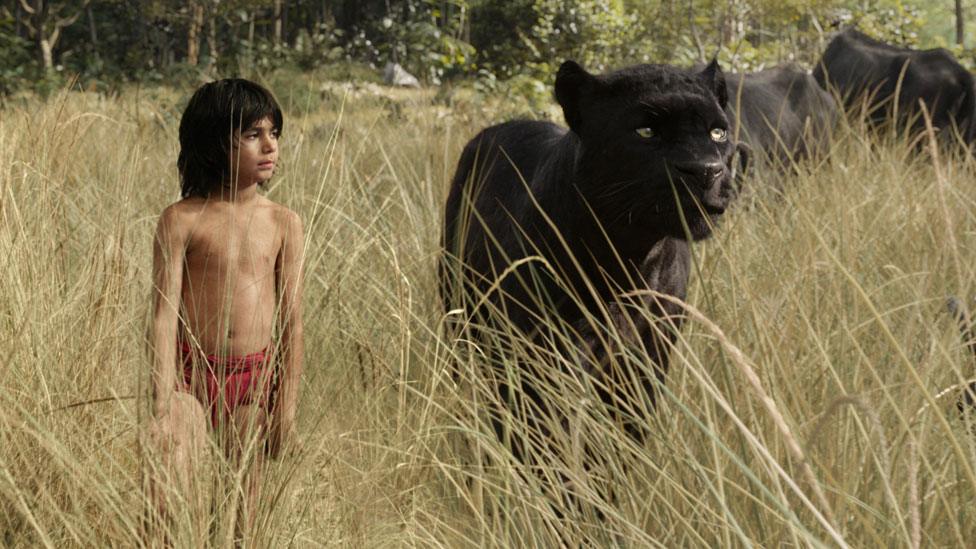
(548, 228)
(882, 76)
(782, 113)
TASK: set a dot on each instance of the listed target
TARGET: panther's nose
(704, 171)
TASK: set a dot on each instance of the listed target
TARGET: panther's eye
(719, 135)
(645, 133)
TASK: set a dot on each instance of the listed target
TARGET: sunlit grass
(829, 285)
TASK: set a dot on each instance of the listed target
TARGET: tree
(960, 24)
(278, 22)
(194, 28)
(46, 21)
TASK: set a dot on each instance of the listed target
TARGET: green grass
(826, 286)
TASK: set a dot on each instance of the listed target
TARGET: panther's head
(656, 152)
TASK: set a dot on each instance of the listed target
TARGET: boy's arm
(168, 249)
(290, 287)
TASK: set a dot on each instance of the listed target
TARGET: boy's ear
(715, 80)
(572, 83)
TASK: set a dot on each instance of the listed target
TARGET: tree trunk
(91, 28)
(193, 34)
(18, 25)
(734, 27)
(45, 48)
(277, 22)
(212, 42)
(38, 23)
(285, 37)
(695, 38)
(960, 24)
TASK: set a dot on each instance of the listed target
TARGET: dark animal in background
(781, 113)
(885, 77)
(611, 205)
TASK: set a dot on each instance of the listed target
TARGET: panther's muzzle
(709, 182)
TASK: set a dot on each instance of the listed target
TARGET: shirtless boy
(227, 268)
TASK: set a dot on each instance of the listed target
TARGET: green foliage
(596, 33)
(894, 22)
(534, 37)
(309, 51)
(524, 42)
(498, 29)
(15, 53)
(424, 37)
(495, 41)
(525, 96)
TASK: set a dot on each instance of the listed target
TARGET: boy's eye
(645, 133)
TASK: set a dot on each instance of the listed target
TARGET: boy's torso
(229, 283)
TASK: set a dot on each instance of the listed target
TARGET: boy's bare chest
(229, 245)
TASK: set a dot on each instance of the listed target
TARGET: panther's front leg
(626, 346)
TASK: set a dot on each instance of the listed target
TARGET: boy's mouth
(266, 165)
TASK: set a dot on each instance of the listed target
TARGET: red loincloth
(225, 383)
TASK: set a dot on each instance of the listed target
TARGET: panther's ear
(572, 82)
(715, 80)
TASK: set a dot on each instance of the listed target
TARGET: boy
(227, 268)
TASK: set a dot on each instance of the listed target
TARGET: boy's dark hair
(214, 114)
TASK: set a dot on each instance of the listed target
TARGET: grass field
(811, 398)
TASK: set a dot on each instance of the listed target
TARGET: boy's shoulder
(184, 207)
(282, 214)
(179, 214)
(188, 210)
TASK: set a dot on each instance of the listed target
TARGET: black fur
(781, 113)
(609, 212)
(858, 66)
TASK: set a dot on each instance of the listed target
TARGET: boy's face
(255, 153)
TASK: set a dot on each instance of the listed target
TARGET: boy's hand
(162, 404)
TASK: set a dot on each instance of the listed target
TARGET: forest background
(500, 46)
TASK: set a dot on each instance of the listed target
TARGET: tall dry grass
(808, 401)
